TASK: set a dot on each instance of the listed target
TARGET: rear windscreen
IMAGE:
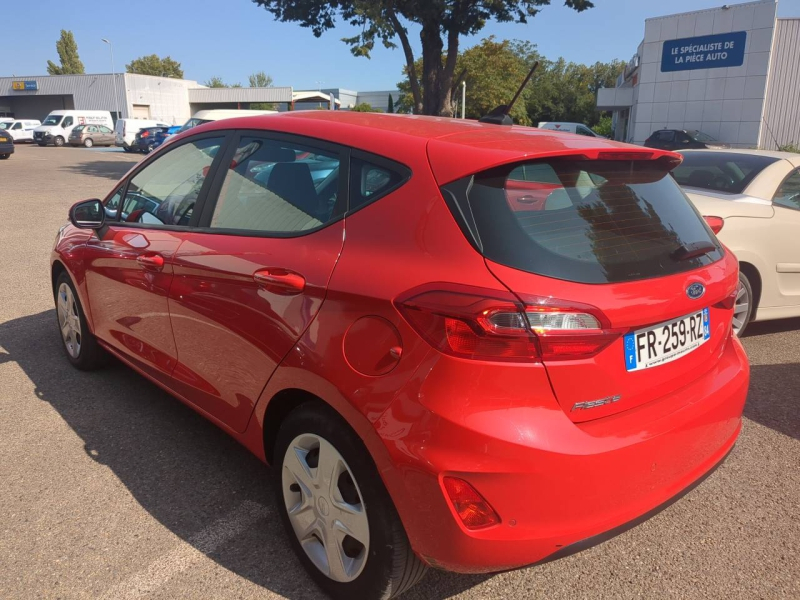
(583, 220)
(726, 172)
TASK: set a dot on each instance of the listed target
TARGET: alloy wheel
(69, 320)
(741, 309)
(325, 507)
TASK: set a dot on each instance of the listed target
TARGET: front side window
(166, 190)
(726, 172)
(104, 129)
(665, 136)
(581, 130)
(68, 121)
(788, 194)
(699, 136)
(277, 186)
(17, 126)
(52, 120)
(602, 222)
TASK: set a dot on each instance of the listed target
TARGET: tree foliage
(155, 65)
(442, 23)
(390, 104)
(365, 107)
(215, 82)
(68, 55)
(558, 90)
(260, 80)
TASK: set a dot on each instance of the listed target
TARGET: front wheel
(339, 517)
(88, 143)
(42, 144)
(79, 344)
(4, 156)
(58, 141)
(743, 306)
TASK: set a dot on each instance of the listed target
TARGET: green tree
(215, 82)
(68, 55)
(155, 65)
(260, 79)
(390, 105)
(442, 24)
(604, 126)
(365, 107)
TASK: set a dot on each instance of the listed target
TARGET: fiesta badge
(695, 291)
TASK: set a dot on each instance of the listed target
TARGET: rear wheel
(127, 149)
(79, 344)
(150, 148)
(58, 141)
(340, 519)
(743, 307)
(88, 143)
(4, 156)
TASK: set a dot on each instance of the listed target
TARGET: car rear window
(726, 172)
(581, 220)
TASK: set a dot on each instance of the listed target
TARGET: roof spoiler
(500, 114)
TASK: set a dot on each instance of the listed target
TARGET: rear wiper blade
(693, 250)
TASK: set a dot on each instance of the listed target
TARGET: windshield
(52, 120)
(726, 172)
(583, 220)
(699, 136)
(6, 125)
(193, 122)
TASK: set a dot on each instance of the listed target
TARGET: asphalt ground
(111, 489)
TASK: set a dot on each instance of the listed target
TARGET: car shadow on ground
(184, 471)
(767, 327)
(108, 169)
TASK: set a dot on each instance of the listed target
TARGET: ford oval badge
(695, 291)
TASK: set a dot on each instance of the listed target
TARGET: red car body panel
(552, 476)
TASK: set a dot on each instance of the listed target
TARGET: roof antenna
(499, 115)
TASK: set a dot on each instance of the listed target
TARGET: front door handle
(151, 262)
(280, 281)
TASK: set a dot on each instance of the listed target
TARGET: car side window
(277, 186)
(166, 190)
(104, 129)
(369, 180)
(788, 193)
(581, 130)
(17, 126)
(67, 122)
(666, 136)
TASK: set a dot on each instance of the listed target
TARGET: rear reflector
(716, 223)
(473, 510)
(483, 324)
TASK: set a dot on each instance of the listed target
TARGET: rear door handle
(280, 281)
(151, 262)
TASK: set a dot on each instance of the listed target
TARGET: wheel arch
(754, 277)
(278, 408)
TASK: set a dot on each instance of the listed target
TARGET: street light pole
(113, 77)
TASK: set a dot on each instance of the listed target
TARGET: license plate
(666, 341)
(4, 139)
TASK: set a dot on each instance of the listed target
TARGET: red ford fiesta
(461, 345)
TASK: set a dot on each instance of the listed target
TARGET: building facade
(731, 72)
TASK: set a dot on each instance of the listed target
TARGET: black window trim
(225, 134)
(387, 163)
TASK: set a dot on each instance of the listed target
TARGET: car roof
(455, 147)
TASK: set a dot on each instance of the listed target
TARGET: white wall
(167, 98)
(726, 103)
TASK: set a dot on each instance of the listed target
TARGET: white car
(578, 128)
(20, 129)
(751, 199)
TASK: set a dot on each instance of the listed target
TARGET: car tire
(79, 344)
(381, 564)
(743, 305)
(88, 143)
(4, 156)
(41, 144)
(58, 141)
(127, 149)
(150, 148)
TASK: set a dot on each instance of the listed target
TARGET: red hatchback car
(461, 345)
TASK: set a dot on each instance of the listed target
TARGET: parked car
(578, 128)
(6, 145)
(55, 129)
(217, 114)
(145, 140)
(125, 131)
(466, 382)
(91, 135)
(751, 199)
(682, 139)
(20, 129)
(163, 136)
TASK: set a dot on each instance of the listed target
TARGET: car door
(106, 136)
(784, 234)
(251, 281)
(129, 262)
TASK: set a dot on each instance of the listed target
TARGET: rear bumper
(7, 148)
(553, 483)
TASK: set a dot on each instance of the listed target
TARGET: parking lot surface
(111, 489)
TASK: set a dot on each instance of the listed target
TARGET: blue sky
(233, 38)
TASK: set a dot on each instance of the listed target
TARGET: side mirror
(88, 214)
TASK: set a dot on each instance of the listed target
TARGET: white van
(55, 129)
(20, 129)
(578, 128)
(125, 130)
(206, 116)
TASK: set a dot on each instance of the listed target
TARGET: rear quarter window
(582, 221)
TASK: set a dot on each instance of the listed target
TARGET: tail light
(472, 508)
(145, 134)
(716, 223)
(481, 324)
